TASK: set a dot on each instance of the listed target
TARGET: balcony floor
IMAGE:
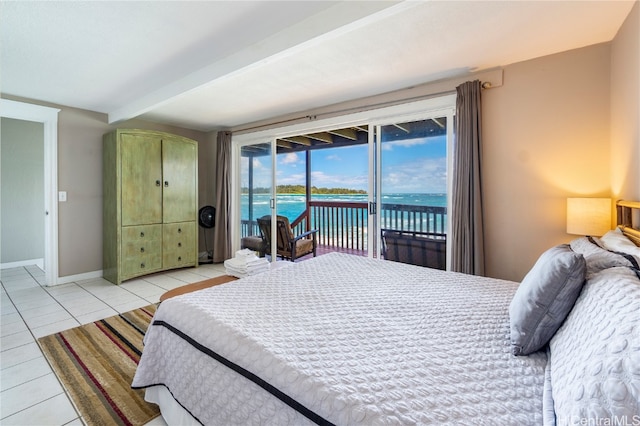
(324, 249)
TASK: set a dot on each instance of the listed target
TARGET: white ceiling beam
(331, 22)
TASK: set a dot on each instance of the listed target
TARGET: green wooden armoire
(150, 200)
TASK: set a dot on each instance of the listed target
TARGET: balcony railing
(340, 224)
(344, 224)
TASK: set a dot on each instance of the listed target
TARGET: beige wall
(80, 174)
(22, 194)
(560, 126)
(546, 138)
(625, 109)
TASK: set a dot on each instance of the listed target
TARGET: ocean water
(292, 205)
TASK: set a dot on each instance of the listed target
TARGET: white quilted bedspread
(595, 361)
(355, 340)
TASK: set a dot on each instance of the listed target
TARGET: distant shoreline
(301, 189)
(293, 205)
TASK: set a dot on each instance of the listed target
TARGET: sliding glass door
(411, 189)
(256, 192)
(351, 178)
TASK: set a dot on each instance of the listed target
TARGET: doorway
(349, 218)
(411, 192)
(48, 117)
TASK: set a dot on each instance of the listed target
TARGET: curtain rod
(313, 117)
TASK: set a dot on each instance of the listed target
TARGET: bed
(342, 339)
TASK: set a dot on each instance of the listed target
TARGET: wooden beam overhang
(353, 135)
(300, 140)
(322, 137)
(350, 133)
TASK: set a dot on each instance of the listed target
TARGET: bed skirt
(172, 412)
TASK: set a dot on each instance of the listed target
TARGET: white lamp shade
(588, 216)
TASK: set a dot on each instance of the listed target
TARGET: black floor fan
(207, 220)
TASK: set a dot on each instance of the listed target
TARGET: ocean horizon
(292, 205)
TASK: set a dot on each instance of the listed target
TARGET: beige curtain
(467, 237)
(222, 231)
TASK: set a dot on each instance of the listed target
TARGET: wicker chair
(288, 246)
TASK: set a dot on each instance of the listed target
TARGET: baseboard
(78, 277)
(38, 262)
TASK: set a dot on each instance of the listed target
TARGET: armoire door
(180, 181)
(141, 179)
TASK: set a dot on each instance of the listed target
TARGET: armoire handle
(158, 183)
(166, 183)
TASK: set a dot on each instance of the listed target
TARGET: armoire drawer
(141, 249)
(141, 234)
(141, 264)
(178, 244)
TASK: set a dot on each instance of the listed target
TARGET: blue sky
(408, 166)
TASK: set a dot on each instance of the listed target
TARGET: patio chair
(415, 248)
(288, 246)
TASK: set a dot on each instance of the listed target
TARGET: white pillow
(599, 258)
(616, 241)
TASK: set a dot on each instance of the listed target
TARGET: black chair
(415, 248)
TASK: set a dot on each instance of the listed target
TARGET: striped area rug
(96, 363)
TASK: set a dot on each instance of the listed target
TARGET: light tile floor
(30, 392)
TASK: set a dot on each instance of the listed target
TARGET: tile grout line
(40, 349)
(64, 308)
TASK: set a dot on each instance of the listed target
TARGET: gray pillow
(545, 298)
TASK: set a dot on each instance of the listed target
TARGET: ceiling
(221, 64)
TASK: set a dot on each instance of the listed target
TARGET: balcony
(412, 159)
(343, 226)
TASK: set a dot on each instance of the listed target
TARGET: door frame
(312, 124)
(375, 166)
(49, 118)
(236, 183)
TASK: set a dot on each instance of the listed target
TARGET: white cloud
(290, 158)
(407, 143)
(290, 179)
(323, 180)
(428, 175)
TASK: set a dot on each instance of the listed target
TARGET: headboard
(624, 211)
